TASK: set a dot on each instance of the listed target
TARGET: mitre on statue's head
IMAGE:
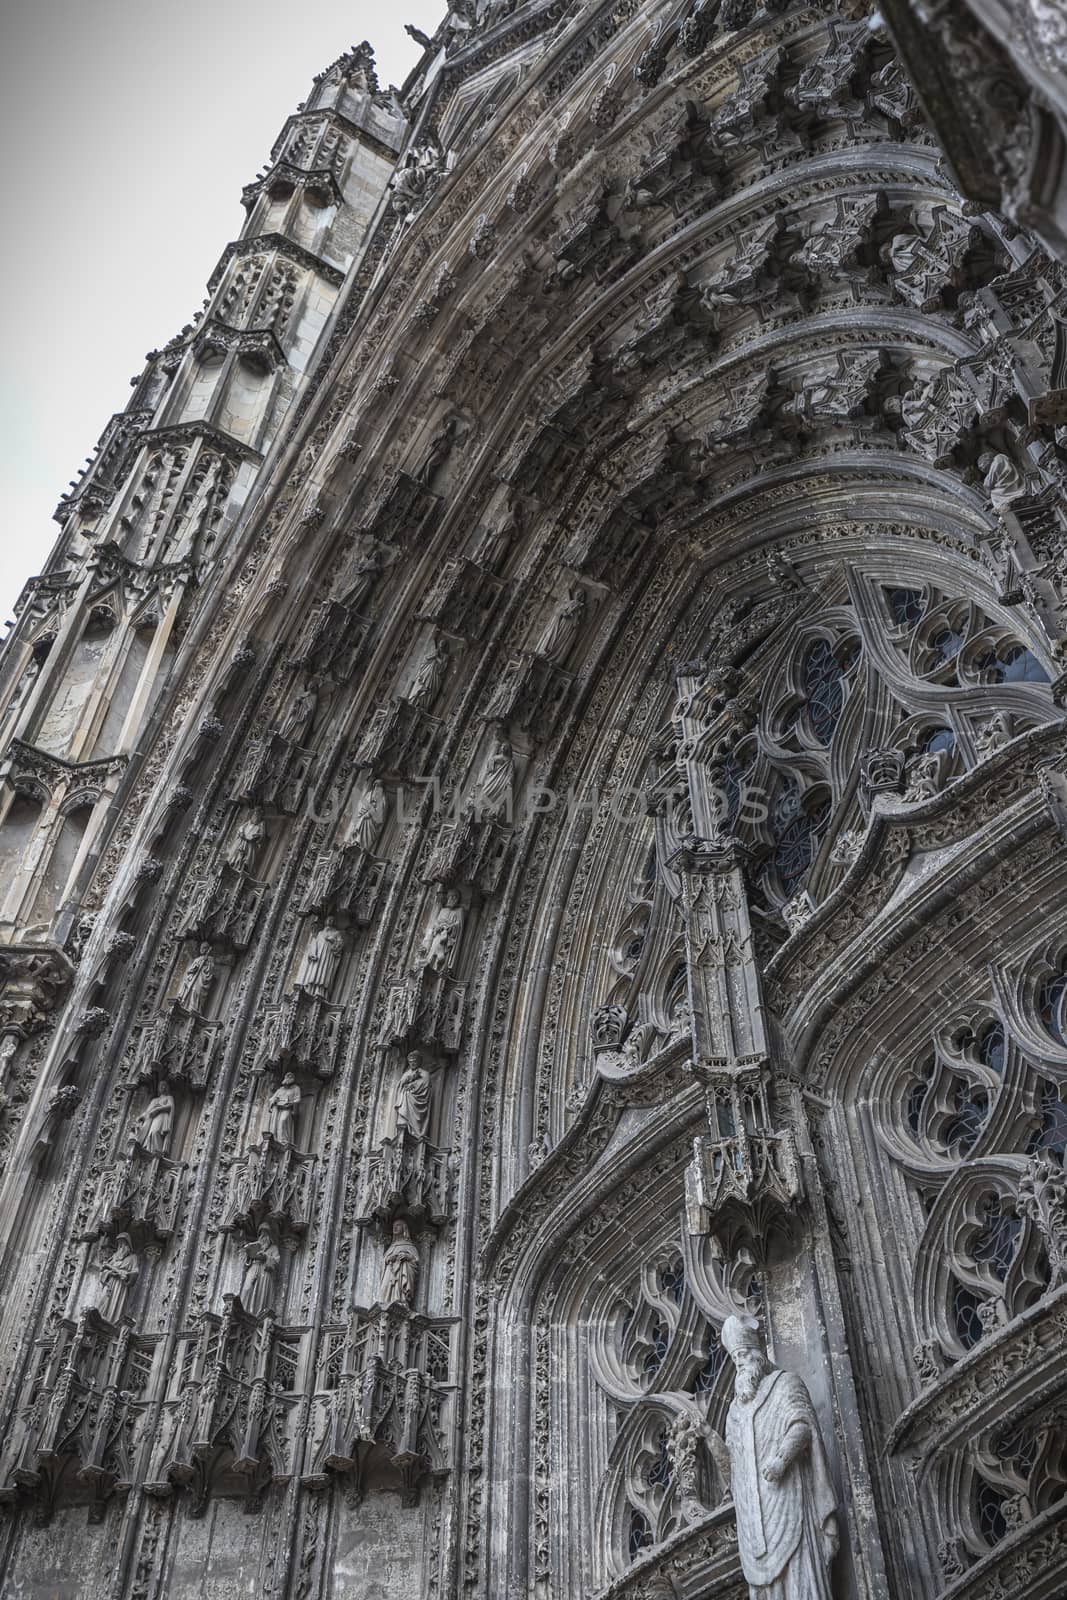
(741, 1333)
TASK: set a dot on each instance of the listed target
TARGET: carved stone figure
(264, 1259)
(923, 776)
(426, 685)
(441, 446)
(298, 720)
(564, 626)
(1001, 479)
(416, 179)
(282, 1111)
(494, 791)
(321, 959)
(441, 940)
(784, 1500)
(608, 1025)
(369, 818)
(687, 1435)
(116, 1275)
(198, 981)
(400, 1269)
(361, 572)
(153, 1127)
(246, 843)
(413, 1099)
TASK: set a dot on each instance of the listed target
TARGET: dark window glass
(906, 606)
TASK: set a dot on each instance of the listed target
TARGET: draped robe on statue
(786, 1531)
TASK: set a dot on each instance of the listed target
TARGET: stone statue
(198, 981)
(320, 962)
(427, 682)
(1001, 479)
(495, 787)
(923, 776)
(298, 720)
(441, 939)
(282, 1108)
(246, 843)
(361, 573)
(400, 1269)
(263, 1259)
(773, 1457)
(369, 818)
(415, 180)
(441, 446)
(564, 626)
(116, 1276)
(153, 1127)
(413, 1099)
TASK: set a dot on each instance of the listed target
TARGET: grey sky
(130, 128)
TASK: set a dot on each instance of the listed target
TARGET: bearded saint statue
(773, 1455)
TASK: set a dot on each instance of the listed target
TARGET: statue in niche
(564, 625)
(246, 843)
(369, 818)
(441, 446)
(1001, 479)
(263, 1258)
(282, 1111)
(441, 939)
(773, 1457)
(199, 979)
(430, 677)
(298, 720)
(320, 962)
(400, 1269)
(497, 543)
(116, 1275)
(494, 791)
(362, 572)
(153, 1127)
(413, 1099)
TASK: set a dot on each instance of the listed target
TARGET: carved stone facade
(533, 845)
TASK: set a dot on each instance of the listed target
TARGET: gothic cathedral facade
(533, 831)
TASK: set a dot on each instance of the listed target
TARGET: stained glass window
(996, 1244)
(989, 1504)
(797, 834)
(658, 1341)
(640, 1536)
(1051, 1133)
(968, 1323)
(1050, 1005)
(906, 606)
(1011, 663)
(660, 1472)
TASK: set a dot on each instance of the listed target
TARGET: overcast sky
(130, 128)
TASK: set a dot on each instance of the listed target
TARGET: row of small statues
(263, 1256)
(412, 1109)
(772, 1458)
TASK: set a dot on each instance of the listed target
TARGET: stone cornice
(1011, 1374)
(256, 244)
(569, 1180)
(973, 804)
(189, 433)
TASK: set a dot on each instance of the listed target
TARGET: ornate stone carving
(787, 1518)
